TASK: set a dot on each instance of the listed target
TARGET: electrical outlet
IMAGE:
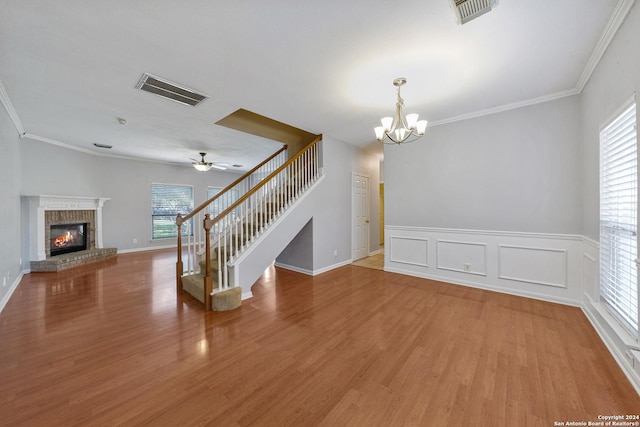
(135, 241)
(467, 266)
(335, 253)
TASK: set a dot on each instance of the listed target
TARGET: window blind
(618, 218)
(167, 201)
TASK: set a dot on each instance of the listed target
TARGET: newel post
(179, 266)
(208, 279)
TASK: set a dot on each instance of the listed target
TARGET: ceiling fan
(202, 165)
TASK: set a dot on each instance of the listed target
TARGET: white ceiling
(70, 67)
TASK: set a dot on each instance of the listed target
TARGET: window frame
(187, 227)
(618, 249)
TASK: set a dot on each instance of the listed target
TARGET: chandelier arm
(403, 121)
(392, 140)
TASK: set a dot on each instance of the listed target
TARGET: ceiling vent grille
(466, 10)
(170, 90)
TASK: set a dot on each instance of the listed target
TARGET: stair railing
(196, 235)
(234, 229)
(238, 226)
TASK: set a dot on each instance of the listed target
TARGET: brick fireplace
(58, 211)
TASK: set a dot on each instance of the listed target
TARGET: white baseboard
(493, 288)
(331, 267)
(312, 272)
(145, 249)
(12, 289)
(294, 268)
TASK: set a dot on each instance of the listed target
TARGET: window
(618, 218)
(167, 201)
(221, 203)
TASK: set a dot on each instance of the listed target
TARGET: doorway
(360, 216)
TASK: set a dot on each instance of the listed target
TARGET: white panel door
(360, 214)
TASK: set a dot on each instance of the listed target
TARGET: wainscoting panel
(536, 265)
(464, 257)
(409, 250)
(540, 266)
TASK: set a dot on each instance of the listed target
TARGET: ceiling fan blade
(218, 167)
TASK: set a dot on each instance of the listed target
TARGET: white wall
(332, 218)
(129, 187)
(330, 227)
(127, 216)
(492, 202)
(10, 223)
(613, 82)
(517, 170)
(128, 184)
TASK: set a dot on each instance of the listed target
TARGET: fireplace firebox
(67, 238)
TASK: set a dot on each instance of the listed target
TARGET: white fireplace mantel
(37, 205)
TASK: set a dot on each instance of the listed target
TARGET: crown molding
(8, 105)
(506, 107)
(58, 143)
(93, 153)
(615, 21)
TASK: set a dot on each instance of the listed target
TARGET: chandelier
(400, 129)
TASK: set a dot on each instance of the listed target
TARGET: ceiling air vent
(170, 90)
(466, 10)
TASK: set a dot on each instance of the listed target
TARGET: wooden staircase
(265, 193)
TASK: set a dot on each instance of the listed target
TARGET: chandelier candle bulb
(421, 127)
(412, 120)
(387, 122)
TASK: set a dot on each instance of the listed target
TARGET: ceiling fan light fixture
(202, 165)
(202, 168)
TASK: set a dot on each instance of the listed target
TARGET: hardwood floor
(113, 345)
